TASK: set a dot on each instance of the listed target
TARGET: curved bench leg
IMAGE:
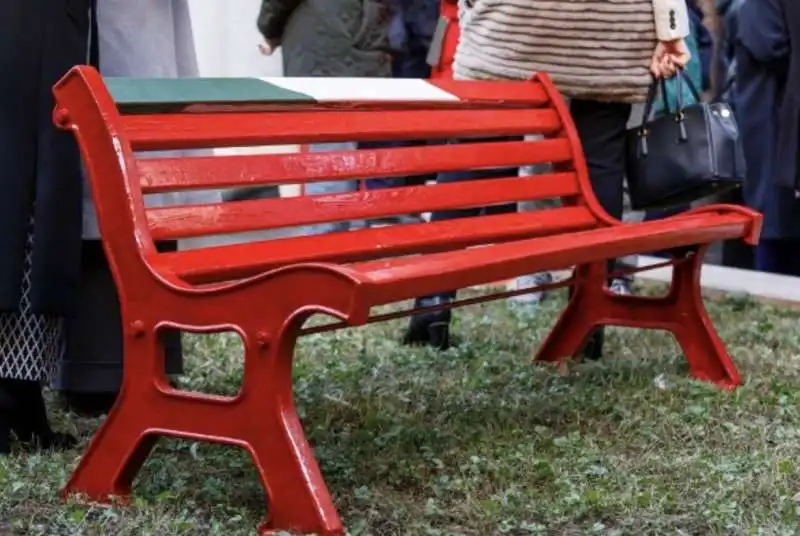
(121, 445)
(299, 501)
(107, 469)
(689, 322)
(262, 419)
(681, 312)
(580, 318)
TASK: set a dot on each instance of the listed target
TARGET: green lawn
(478, 441)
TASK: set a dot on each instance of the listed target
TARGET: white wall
(226, 39)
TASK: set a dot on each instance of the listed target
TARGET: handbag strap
(680, 116)
(689, 83)
(652, 94)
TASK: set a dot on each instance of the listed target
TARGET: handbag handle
(652, 93)
(680, 118)
(685, 78)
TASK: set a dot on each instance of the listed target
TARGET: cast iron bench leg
(680, 312)
(262, 419)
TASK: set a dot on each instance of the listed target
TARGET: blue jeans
(409, 64)
(331, 187)
(395, 182)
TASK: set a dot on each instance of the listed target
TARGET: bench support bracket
(261, 419)
(680, 312)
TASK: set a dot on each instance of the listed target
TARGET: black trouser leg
(27, 415)
(601, 127)
(472, 175)
(432, 328)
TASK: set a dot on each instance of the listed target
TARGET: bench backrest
(117, 120)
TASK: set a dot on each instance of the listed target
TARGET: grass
(478, 441)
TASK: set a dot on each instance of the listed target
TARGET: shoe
(5, 436)
(6, 409)
(88, 404)
(29, 421)
(593, 351)
(621, 286)
(530, 281)
(431, 328)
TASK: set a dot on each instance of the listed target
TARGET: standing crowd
(603, 56)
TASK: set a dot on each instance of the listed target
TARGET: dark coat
(788, 174)
(725, 59)
(333, 38)
(764, 93)
(413, 25)
(39, 165)
(704, 40)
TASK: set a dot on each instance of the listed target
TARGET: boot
(431, 328)
(29, 421)
(593, 351)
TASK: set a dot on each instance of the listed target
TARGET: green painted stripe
(164, 94)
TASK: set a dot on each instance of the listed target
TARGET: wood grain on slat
(235, 261)
(196, 131)
(208, 172)
(174, 222)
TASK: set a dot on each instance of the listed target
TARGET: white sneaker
(621, 286)
(531, 281)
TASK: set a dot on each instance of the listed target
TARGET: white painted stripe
(364, 89)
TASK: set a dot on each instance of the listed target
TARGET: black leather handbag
(684, 154)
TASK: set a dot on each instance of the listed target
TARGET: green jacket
(332, 38)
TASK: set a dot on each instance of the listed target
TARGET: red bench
(266, 290)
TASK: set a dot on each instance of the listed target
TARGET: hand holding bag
(685, 154)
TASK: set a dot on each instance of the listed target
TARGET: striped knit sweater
(592, 49)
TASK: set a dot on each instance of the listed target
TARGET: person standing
(700, 46)
(40, 210)
(725, 58)
(329, 38)
(142, 39)
(735, 253)
(600, 54)
(768, 112)
(411, 30)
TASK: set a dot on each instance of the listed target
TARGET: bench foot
(694, 330)
(115, 455)
(680, 312)
(262, 419)
(579, 319)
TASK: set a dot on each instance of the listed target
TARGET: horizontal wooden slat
(135, 95)
(188, 131)
(209, 172)
(171, 223)
(222, 263)
(460, 269)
